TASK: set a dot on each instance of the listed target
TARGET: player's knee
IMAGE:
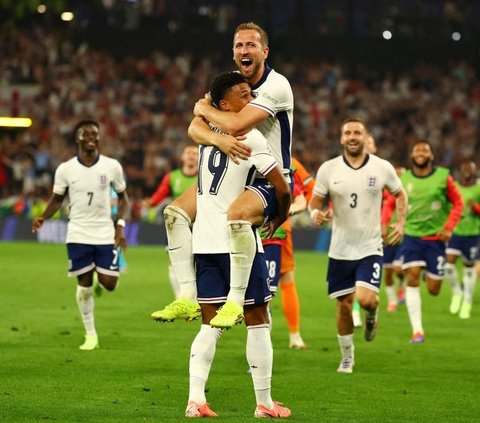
(110, 283)
(174, 215)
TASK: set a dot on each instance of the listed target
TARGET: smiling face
(249, 54)
(353, 138)
(422, 155)
(87, 138)
(236, 97)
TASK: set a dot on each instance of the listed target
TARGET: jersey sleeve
(261, 156)
(307, 180)
(392, 181)
(118, 181)
(60, 183)
(454, 196)
(274, 98)
(321, 181)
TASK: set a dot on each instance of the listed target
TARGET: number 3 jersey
(88, 189)
(356, 195)
(220, 182)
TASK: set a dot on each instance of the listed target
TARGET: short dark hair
(82, 123)
(222, 83)
(355, 119)
(255, 27)
(421, 141)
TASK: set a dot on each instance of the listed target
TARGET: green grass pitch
(140, 372)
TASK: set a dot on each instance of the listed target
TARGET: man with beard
(435, 208)
(354, 182)
(271, 112)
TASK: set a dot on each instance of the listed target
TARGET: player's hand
(233, 147)
(200, 106)
(120, 240)
(37, 224)
(445, 235)
(320, 217)
(269, 228)
(396, 234)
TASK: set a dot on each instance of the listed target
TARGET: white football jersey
(356, 195)
(220, 182)
(88, 188)
(273, 94)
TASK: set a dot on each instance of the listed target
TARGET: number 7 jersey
(88, 189)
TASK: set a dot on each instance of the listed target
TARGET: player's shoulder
(108, 161)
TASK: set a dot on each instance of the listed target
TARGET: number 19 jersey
(220, 182)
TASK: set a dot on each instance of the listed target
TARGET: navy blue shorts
(429, 254)
(344, 275)
(466, 246)
(273, 255)
(266, 192)
(213, 279)
(391, 256)
(84, 257)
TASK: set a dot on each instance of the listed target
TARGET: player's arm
(284, 199)
(233, 123)
(397, 228)
(123, 208)
(52, 207)
(200, 132)
(318, 214)
(162, 192)
(454, 196)
(299, 202)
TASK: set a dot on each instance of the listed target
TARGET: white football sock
(260, 360)
(173, 281)
(413, 301)
(469, 282)
(391, 294)
(243, 247)
(86, 304)
(451, 275)
(178, 227)
(347, 349)
(202, 353)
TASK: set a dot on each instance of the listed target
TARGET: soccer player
(92, 238)
(174, 184)
(280, 257)
(220, 181)
(354, 182)
(435, 208)
(271, 112)
(465, 242)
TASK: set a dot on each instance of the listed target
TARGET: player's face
(353, 139)
(237, 97)
(190, 156)
(88, 137)
(422, 155)
(370, 146)
(249, 54)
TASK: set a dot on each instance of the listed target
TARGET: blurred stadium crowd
(145, 104)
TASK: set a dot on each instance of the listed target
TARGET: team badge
(372, 183)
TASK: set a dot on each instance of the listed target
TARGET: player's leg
(179, 216)
(290, 299)
(81, 265)
(388, 257)
(212, 272)
(469, 282)
(341, 286)
(451, 275)
(259, 345)
(246, 212)
(202, 353)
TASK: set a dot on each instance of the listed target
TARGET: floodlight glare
(15, 122)
(456, 36)
(41, 8)
(387, 35)
(67, 16)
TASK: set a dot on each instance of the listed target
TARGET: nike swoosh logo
(173, 249)
(113, 267)
(336, 182)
